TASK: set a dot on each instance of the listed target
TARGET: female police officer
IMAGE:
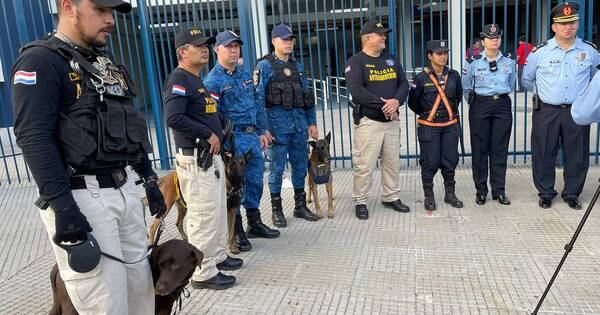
(434, 95)
(487, 79)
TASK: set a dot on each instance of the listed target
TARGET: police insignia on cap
(287, 72)
(493, 29)
(379, 25)
(566, 10)
(442, 44)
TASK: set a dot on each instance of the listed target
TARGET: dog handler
(192, 114)
(233, 89)
(76, 124)
(282, 86)
(434, 95)
(378, 86)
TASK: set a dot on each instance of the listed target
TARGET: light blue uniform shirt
(476, 73)
(560, 76)
(586, 108)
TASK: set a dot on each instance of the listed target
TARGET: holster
(536, 102)
(355, 112)
(204, 159)
(471, 98)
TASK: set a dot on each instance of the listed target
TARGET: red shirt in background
(522, 54)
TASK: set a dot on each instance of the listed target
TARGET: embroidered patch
(214, 95)
(390, 62)
(24, 77)
(74, 76)
(178, 89)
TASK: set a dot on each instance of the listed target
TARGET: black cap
(437, 45)
(192, 36)
(491, 31)
(373, 27)
(119, 5)
(566, 12)
(282, 31)
(227, 37)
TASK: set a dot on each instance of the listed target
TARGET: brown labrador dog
(173, 263)
(235, 172)
(319, 172)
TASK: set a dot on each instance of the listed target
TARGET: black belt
(556, 106)
(246, 129)
(114, 178)
(496, 97)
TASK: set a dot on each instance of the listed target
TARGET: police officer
(192, 114)
(487, 79)
(434, 95)
(282, 86)
(586, 108)
(233, 89)
(378, 86)
(559, 70)
(77, 126)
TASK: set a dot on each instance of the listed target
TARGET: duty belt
(110, 178)
(495, 97)
(556, 106)
(246, 129)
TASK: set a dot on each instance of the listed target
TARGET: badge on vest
(211, 105)
(115, 90)
(390, 62)
(74, 76)
(109, 73)
(287, 72)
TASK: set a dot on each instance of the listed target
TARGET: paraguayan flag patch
(178, 89)
(24, 77)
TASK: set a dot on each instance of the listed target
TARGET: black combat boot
(256, 228)
(278, 217)
(240, 236)
(301, 211)
(429, 201)
(450, 198)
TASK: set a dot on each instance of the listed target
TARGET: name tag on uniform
(226, 88)
(369, 66)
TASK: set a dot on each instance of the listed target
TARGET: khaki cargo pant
(117, 220)
(206, 198)
(374, 139)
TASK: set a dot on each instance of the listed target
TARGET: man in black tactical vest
(77, 126)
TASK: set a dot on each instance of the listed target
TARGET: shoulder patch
(473, 58)
(539, 46)
(509, 55)
(589, 43)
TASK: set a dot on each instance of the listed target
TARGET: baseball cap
(373, 27)
(282, 31)
(192, 36)
(119, 5)
(227, 37)
(438, 45)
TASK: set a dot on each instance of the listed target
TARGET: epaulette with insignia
(539, 46)
(589, 43)
(473, 58)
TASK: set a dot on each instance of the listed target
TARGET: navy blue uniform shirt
(189, 109)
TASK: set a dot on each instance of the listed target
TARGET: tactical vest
(285, 87)
(102, 128)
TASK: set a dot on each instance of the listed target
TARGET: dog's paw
(234, 250)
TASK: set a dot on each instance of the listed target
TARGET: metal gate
(327, 34)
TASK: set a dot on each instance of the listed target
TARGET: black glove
(71, 225)
(156, 201)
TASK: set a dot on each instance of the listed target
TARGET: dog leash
(148, 254)
(179, 300)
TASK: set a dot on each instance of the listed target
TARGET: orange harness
(440, 98)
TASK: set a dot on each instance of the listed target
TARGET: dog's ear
(248, 156)
(312, 143)
(197, 256)
(328, 137)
